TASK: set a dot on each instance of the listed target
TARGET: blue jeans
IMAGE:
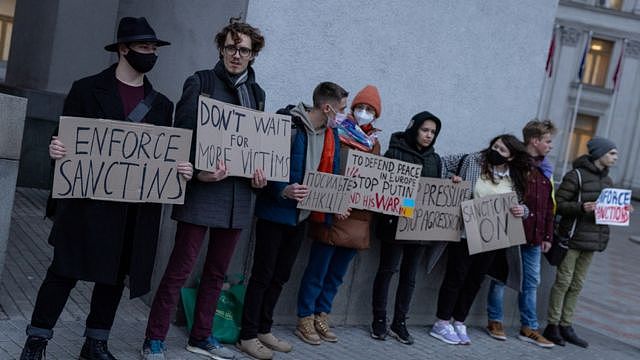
(322, 277)
(528, 295)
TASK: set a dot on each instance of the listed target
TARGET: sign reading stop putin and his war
(243, 139)
(437, 216)
(381, 184)
(489, 223)
(328, 193)
(612, 207)
(120, 161)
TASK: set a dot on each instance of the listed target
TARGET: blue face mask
(363, 116)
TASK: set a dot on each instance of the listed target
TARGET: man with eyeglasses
(213, 201)
(103, 241)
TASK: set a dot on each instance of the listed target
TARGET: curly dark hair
(235, 28)
(519, 165)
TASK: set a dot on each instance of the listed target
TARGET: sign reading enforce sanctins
(120, 161)
(243, 139)
(612, 207)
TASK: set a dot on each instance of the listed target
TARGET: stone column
(12, 110)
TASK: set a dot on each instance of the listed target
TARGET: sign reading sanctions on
(120, 161)
(328, 193)
(489, 223)
(381, 184)
(437, 216)
(244, 139)
(612, 207)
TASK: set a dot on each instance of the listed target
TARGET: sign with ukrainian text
(120, 161)
(381, 184)
(613, 207)
(490, 225)
(328, 193)
(437, 215)
(243, 139)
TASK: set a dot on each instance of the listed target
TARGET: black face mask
(495, 158)
(141, 63)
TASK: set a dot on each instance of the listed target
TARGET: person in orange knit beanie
(335, 244)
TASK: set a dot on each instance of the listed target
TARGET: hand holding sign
(186, 170)
(56, 149)
(517, 211)
(258, 181)
(212, 176)
(589, 206)
(295, 191)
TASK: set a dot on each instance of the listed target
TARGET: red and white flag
(552, 49)
(617, 73)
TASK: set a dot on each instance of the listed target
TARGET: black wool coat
(91, 236)
(589, 236)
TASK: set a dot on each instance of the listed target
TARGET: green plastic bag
(226, 321)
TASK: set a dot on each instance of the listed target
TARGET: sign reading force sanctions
(328, 193)
(120, 161)
(612, 207)
(490, 225)
(243, 139)
(381, 184)
(437, 216)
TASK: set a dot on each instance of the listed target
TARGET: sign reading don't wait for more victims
(120, 161)
(243, 139)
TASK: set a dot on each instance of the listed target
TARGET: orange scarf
(326, 166)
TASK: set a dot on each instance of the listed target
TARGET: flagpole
(575, 107)
(616, 85)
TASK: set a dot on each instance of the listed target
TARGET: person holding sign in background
(414, 145)
(213, 202)
(538, 137)
(336, 241)
(500, 168)
(588, 236)
(281, 227)
(103, 241)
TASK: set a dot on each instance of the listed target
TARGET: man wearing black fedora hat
(103, 241)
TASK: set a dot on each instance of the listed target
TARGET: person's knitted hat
(370, 96)
(598, 146)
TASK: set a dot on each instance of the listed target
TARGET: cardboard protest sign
(120, 161)
(244, 139)
(612, 207)
(490, 225)
(382, 185)
(329, 193)
(437, 216)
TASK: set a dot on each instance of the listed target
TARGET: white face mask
(363, 116)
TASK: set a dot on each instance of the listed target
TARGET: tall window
(597, 62)
(585, 129)
(610, 4)
(6, 27)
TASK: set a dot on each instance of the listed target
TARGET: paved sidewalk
(612, 285)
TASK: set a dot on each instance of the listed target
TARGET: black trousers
(396, 256)
(53, 295)
(105, 298)
(462, 280)
(277, 247)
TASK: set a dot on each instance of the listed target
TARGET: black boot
(379, 328)
(571, 337)
(552, 333)
(398, 330)
(34, 348)
(94, 349)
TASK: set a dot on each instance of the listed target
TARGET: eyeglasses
(231, 50)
